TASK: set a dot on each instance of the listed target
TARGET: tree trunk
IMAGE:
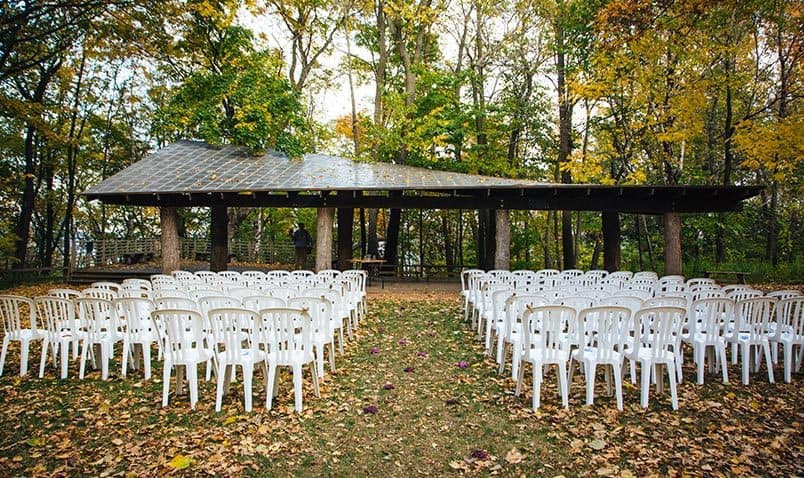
(672, 244)
(170, 239)
(363, 232)
(502, 251)
(345, 224)
(392, 237)
(219, 256)
(323, 238)
(565, 106)
(611, 240)
(449, 255)
(373, 242)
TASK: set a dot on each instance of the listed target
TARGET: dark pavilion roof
(189, 173)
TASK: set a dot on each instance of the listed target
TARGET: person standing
(303, 243)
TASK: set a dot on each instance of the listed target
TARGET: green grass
(437, 420)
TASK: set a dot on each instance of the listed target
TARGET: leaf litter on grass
(433, 422)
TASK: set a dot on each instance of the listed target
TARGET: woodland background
(581, 91)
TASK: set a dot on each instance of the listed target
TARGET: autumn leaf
(179, 462)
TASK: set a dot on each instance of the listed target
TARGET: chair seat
(592, 354)
(646, 355)
(536, 356)
(27, 334)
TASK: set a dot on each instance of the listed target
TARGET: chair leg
(146, 358)
(24, 345)
(646, 368)
(297, 387)
(192, 377)
(562, 384)
(698, 352)
(519, 379)
(537, 385)
(316, 388)
(126, 352)
(787, 350)
(43, 359)
(332, 356)
(745, 350)
(768, 362)
(248, 374)
(6, 341)
(671, 374)
(82, 366)
(516, 358)
(219, 388)
(590, 369)
(165, 383)
(618, 385)
(269, 386)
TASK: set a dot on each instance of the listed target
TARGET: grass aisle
(412, 396)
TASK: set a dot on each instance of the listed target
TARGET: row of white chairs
(747, 318)
(103, 316)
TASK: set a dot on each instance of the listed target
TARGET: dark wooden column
(171, 254)
(219, 256)
(611, 240)
(346, 218)
(502, 240)
(323, 239)
(672, 243)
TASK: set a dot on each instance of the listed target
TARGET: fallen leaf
(514, 456)
(179, 462)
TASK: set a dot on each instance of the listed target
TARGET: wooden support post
(170, 239)
(672, 243)
(219, 255)
(502, 249)
(345, 223)
(611, 240)
(323, 239)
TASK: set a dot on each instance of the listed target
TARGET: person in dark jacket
(303, 243)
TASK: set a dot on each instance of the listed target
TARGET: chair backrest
(69, 294)
(632, 302)
(57, 313)
(729, 288)
(283, 293)
(604, 329)
(707, 291)
(242, 292)
(185, 333)
(97, 316)
(790, 317)
(231, 276)
(97, 293)
(106, 285)
(205, 275)
(666, 301)
(252, 278)
(169, 292)
(136, 284)
(753, 316)
(515, 310)
(659, 329)
(743, 294)
(709, 317)
(618, 278)
(288, 332)
(646, 275)
(465, 283)
(320, 310)
(11, 312)
(175, 303)
(205, 304)
(328, 273)
(302, 273)
(698, 281)
(546, 327)
(185, 276)
(784, 294)
(577, 302)
(135, 293)
(235, 331)
(136, 314)
(199, 294)
(259, 302)
(163, 281)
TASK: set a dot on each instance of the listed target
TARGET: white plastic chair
(68, 294)
(784, 294)
(63, 330)
(320, 310)
(236, 337)
(103, 331)
(163, 281)
(185, 347)
(751, 333)
(789, 332)
(709, 319)
(100, 293)
(511, 330)
(543, 344)
(494, 316)
(232, 276)
(170, 302)
(141, 332)
(288, 333)
(632, 302)
(13, 329)
(601, 332)
(658, 329)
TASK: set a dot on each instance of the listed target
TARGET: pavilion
(196, 174)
